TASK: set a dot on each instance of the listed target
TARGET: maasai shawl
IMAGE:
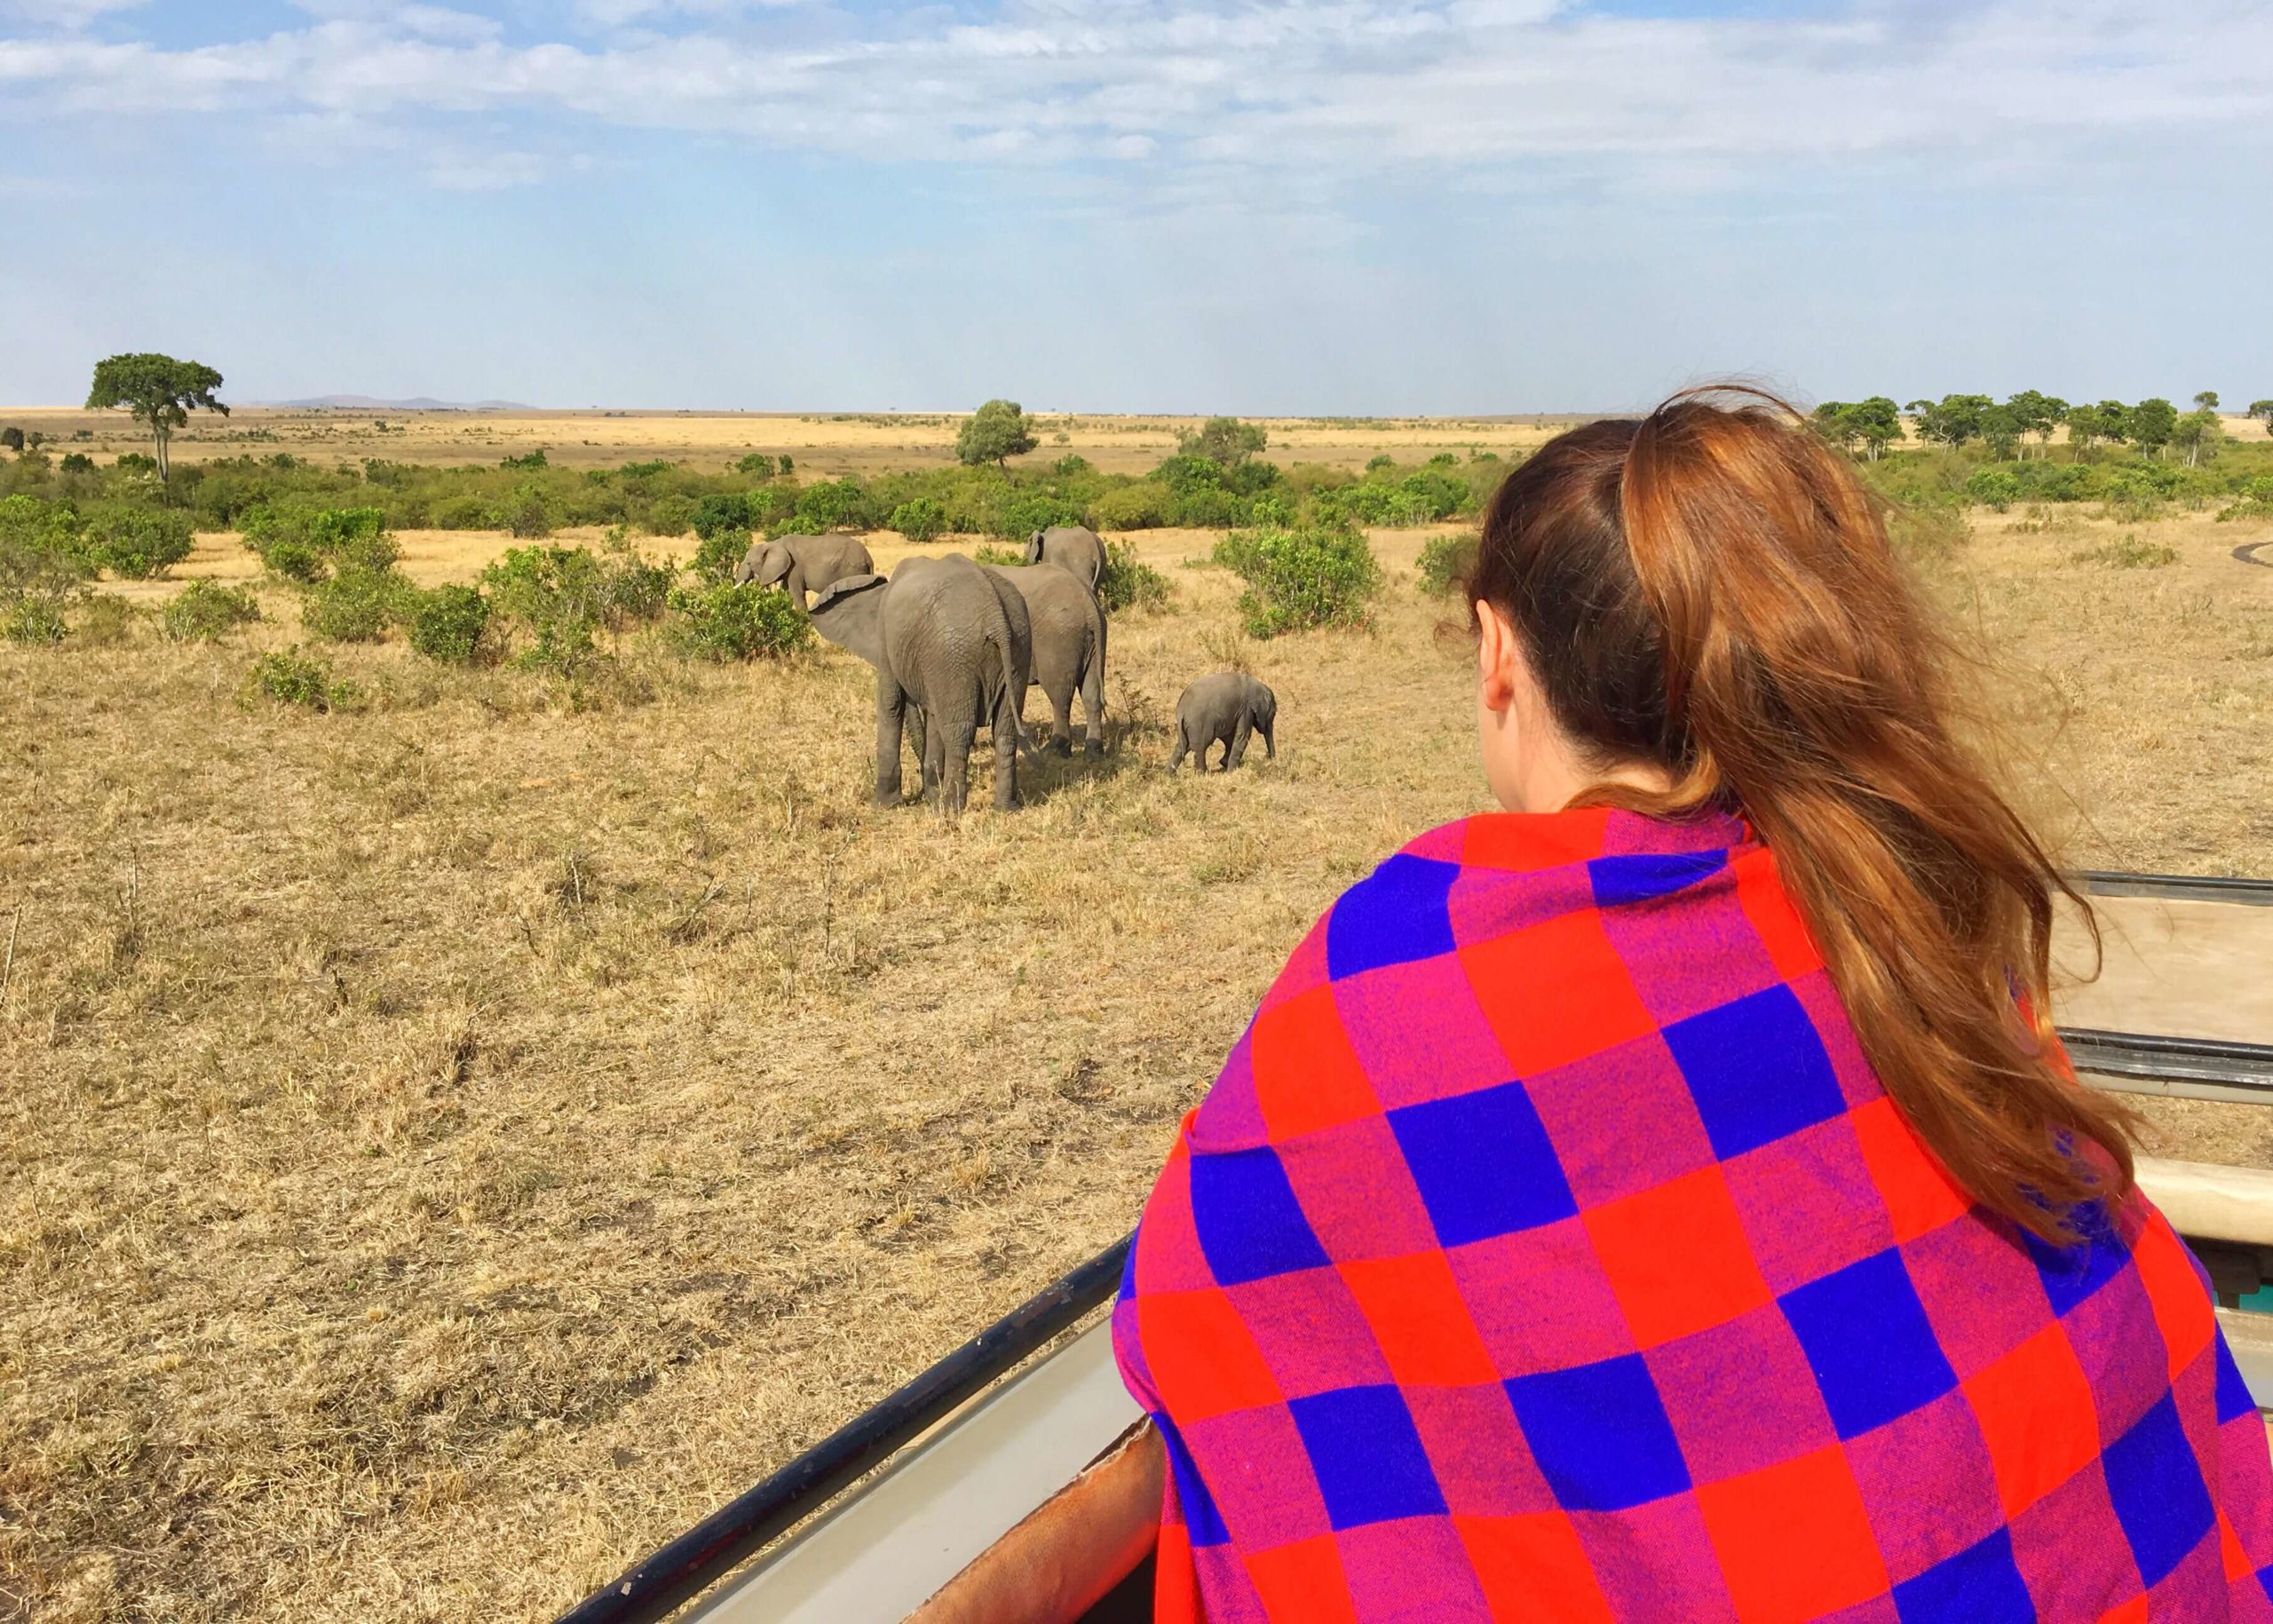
(1547, 1250)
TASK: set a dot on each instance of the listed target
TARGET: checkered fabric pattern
(1546, 1250)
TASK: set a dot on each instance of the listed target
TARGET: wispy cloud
(1353, 85)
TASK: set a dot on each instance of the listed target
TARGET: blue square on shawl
(1484, 1164)
(1394, 915)
(2155, 1484)
(1646, 875)
(1756, 1069)
(1982, 1584)
(1204, 1524)
(2072, 1273)
(1869, 1343)
(1600, 1434)
(1368, 1455)
(1251, 1223)
(2234, 1397)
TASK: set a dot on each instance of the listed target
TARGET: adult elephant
(1074, 548)
(953, 641)
(804, 563)
(1068, 649)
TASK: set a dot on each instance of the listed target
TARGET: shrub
(451, 624)
(556, 598)
(357, 606)
(672, 515)
(528, 464)
(292, 678)
(635, 590)
(528, 512)
(1995, 487)
(206, 609)
(1300, 578)
(466, 512)
(353, 538)
(717, 556)
(722, 512)
(1445, 561)
(306, 544)
(832, 504)
(1129, 582)
(737, 622)
(986, 552)
(2129, 554)
(76, 462)
(2254, 500)
(104, 620)
(1142, 506)
(31, 619)
(920, 520)
(756, 466)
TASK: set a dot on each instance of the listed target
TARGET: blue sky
(1345, 206)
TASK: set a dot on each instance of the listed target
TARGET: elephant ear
(1033, 548)
(851, 614)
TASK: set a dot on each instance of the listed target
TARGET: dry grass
(450, 1147)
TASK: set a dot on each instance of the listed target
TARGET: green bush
(672, 515)
(357, 604)
(718, 555)
(528, 512)
(353, 538)
(737, 622)
(451, 624)
(104, 620)
(1142, 506)
(634, 590)
(306, 544)
(1300, 578)
(32, 620)
(292, 678)
(832, 505)
(987, 552)
(920, 520)
(556, 599)
(1445, 561)
(1994, 487)
(2128, 553)
(2254, 500)
(206, 609)
(1129, 583)
(723, 512)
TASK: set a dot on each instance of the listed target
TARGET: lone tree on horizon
(997, 430)
(158, 390)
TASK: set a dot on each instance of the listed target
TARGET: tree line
(2028, 421)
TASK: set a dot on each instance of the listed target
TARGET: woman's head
(1707, 613)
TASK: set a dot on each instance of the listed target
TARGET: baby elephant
(1223, 710)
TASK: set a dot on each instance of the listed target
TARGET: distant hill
(416, 403)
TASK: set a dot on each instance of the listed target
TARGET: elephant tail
(1093, 668)
(1014, 691)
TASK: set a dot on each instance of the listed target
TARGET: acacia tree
(158, 390)
(2197, 434)
(2207, 401)
(1952, 420)
(2153, 423)
(995, 432)
(2263, 410)
(2038, 414)
(1225, 441)
(12, 438)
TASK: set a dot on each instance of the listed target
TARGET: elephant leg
(954, 764)
(892, 705)
(1061, 721)
(1236, 751)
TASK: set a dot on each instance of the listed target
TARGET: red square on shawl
(2035, 1411)
(1677, 1257)
(1303, 1581)
(1201, 1359)
(1920, 1196)
(1306, 1075)
(1794, 1541)
(1555, 993)
(1414, 1308)
(1533, 1567)
(1506, 840)
(2229, 1551)
(1791, 949)
(2181, 1303)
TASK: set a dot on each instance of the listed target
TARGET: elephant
(1224, 709)
(953, 642)
(803, 563)
(1075, 548)
(1068, 649)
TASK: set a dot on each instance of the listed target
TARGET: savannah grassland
(447, 1147)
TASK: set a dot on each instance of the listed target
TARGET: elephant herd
(956, 644)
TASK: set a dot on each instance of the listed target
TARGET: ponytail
(1710, 592)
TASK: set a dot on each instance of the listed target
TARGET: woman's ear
(1496, 655)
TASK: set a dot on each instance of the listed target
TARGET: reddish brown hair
(1710, 592)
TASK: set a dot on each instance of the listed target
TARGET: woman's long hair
(1709, 591)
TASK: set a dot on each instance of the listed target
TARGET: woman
(1666, 1199)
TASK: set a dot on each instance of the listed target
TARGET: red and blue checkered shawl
(1546, 1250)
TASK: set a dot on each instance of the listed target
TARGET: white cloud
(1335, 85)
(69, 16)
